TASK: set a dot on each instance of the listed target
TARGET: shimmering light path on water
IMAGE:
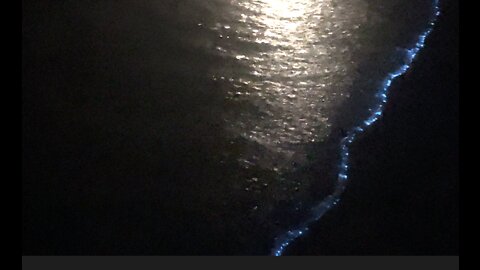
(294, 63)
(286, 239)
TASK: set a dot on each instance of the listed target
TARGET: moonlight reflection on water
(297, 72)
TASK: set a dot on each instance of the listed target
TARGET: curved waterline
(282, 242)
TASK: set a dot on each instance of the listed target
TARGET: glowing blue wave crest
(318, 211)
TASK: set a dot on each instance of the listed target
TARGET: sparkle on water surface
(298, 72)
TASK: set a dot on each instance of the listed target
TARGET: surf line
(282, 242)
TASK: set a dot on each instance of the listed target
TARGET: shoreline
(382, 157)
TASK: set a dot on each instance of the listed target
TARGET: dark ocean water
(194, 127)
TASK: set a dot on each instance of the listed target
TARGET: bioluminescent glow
(318, 211)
